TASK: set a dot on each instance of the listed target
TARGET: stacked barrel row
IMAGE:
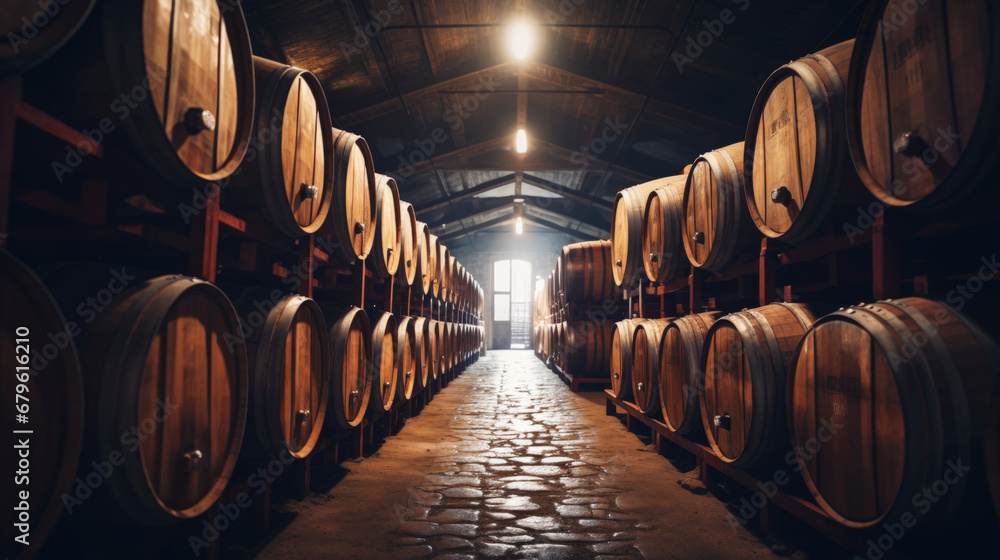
(203, 374)
(227, 373)
(875, 403)
(830, 133)
(872, 403)
(574, 313)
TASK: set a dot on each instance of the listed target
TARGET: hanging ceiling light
(521, 39)
(522, 141)
(519, 226)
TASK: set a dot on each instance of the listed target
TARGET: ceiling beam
(556, 227)
(478, 227)
(544, 205)
(468, 193)
(558, 78)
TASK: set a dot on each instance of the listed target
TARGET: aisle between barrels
(507, 463)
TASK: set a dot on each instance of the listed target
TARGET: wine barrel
(681, 377)
(408, 241)
(587, 351)
(621, 357)
(289, 360)
(434, 263)
(388, 230)
(798, 173)
(407, 358)
(714, 222)
(425, 351)
(922, 117)
(167, 357)
(586, 273)
(444, 272)
(187, 82)
(425, 272)
(351, 374)
(437, 333)
(30, 326)
(385, 340)
(290, 179)
(646, 365)
(745, 358)
(626, 230)
(450, 346)
(663, 256)
(897, 392)
(352, 224)
(33, 33)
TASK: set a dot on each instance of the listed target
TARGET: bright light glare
(519, 226)
(521, 40)
(522, 141)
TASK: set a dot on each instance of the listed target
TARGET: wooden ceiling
(615, 93)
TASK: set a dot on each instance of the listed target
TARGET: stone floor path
(508, 463)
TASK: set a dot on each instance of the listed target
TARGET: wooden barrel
(388, 229)
(436, 332)
(352, 223)
(444, 272)
(34, 334)
(681, 376)
(626, 230)
(450, 346)
(289, 360)
(663, 257)
(167, 357)
(194, 122)
(798, 173)
(899, 390)
(408, 243)
(351, 375)
(407, 358)
(646, 365)
(587, 348)
(921, 101)
(425, 351)
(586, 273)
(34, 31)
(745, 359)
(621, 357)
(385, 340)
(714, 209)
(290, 179)
(425, 272)
(434, 263)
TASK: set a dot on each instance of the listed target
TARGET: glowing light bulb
(521, 39)
(519, 226)
(522, 141)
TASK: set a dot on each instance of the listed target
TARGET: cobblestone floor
(507, 463)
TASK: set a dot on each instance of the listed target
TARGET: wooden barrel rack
(250, 252)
